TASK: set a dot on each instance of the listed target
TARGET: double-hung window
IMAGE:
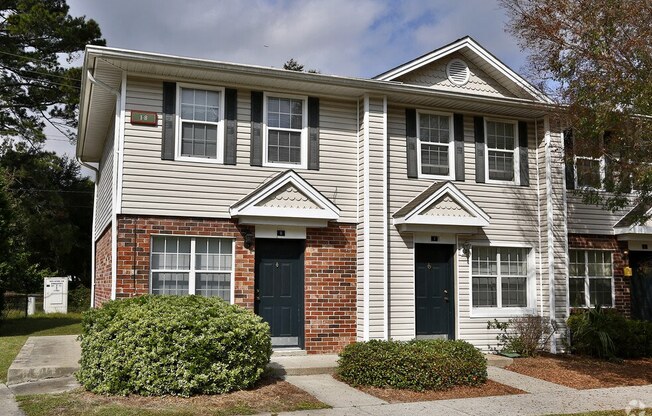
(192, 265)
(590, 279)
(501, 151)
(200, 130)
(286, 131)
(435, 141)
(499, 277)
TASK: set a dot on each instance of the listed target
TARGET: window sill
(199, 160)
(284, 165)
(501, 312)
(497, 182)
(435, 177)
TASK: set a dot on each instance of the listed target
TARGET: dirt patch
(490, 388)
(583, 372)
(268, 396)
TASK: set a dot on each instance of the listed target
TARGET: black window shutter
(523, 154)
(569, 159)
(256, 157)
(478, 132)
(458, 133)
(169, 120)
(231, 126)
(411, 142)
(313, 133)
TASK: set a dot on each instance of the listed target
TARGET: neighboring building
(421, 203)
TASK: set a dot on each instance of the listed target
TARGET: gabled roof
(285, 199)
(480, 57)
(628, 226)
(442, 204)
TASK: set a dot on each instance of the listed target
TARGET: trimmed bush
(172, 345)
(415, 365)
(605, 333)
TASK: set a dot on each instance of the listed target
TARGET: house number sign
(147, 118)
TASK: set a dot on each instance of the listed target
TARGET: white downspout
(93, 236)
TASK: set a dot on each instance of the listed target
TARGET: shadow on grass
(55, 324)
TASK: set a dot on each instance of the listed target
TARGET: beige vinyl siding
(152, 186)
(590, 219)
(104, 191)
(376, 215)
(514, 221)
(434, 76)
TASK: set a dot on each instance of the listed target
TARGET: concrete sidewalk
(8, 405)
(45, 357)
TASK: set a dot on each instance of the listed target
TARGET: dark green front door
(435, 309)
(641, 292)
(279, 289)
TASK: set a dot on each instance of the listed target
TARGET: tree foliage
(596, 59)
(293, 65)
(45, 217)
(34, 85)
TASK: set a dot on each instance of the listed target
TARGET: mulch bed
(490, 388)
(584, 372)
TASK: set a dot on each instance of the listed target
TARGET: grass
(15, 331)
(274, 398)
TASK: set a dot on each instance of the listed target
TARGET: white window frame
(219, 155)
(304, 131)
(587, 278)
(516, 151)
(505, 311)
(193, 272)
(602, 171)
(451, 146)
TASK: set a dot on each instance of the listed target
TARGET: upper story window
(500, 277)
(188, 265)
(589, 172)
(501, 156)
(435, 142)
(200, 124)
(590, 278)
(286, 135)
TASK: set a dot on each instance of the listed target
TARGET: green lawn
(15, 331)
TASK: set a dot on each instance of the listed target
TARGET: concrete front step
(303, 365)
(495, 360)
(45, 357)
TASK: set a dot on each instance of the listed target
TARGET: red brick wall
(622, 285)
(330, 288)
(134, 236)
(103, 268)
(330, 264)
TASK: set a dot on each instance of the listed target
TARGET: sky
(358, 38)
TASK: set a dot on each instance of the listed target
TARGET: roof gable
(442, 204)
(488, 75)
(285, 199)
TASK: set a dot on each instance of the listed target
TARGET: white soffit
(311, 208)
(442, 204)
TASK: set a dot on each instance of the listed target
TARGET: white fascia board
(441, 220)
(283, 221)
(634, 230)
(289, 213)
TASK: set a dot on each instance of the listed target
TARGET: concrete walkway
(8, 405)
(45, 357)
(523, 382)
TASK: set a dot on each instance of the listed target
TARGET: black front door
(279, 289)
(435, 309)
(641, 264)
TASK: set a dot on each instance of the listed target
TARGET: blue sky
(360, 38)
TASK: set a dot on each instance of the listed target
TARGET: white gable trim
(248, 210)
(478, 217)
(469, 43)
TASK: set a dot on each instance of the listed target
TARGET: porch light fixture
(466, 249)
(248, 239)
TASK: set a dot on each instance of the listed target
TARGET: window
(200, 123)
(499, 277)
(590, 278)
(501, 140)
(435, 145)
(185, 265)
(589, 172)
(286, 131)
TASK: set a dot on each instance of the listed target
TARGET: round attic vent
(458, 72)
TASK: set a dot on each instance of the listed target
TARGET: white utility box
(55, 295)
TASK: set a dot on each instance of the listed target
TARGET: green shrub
(79, 299)
(605, 333)
(169, 345)
(415, 365)
(524, 335)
